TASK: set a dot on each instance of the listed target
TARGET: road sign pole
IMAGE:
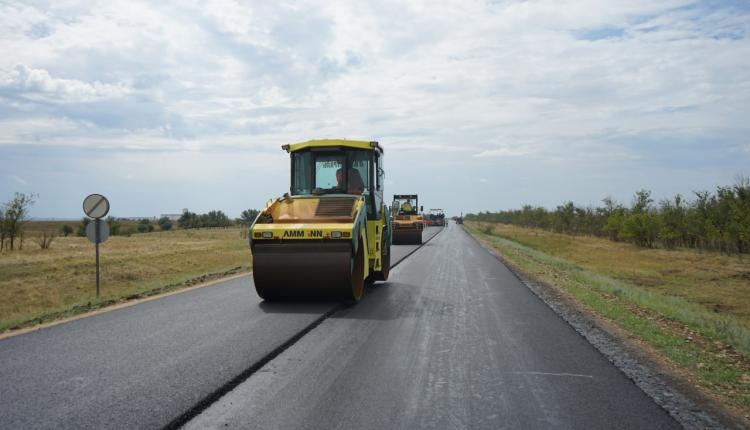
(98, 239)
(96, 206)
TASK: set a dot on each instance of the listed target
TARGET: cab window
(328, 171)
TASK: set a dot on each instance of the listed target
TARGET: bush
(45, 240)
(211, 219)
(81, 230)
(164, 224)
(65, 230)
(114, 226)
(144, 226)
(189, 220)
(641, 228)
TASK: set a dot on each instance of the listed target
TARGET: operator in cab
(355, 184)
(406, 207)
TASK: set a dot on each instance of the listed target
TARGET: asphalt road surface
(453, 341)
(144, 366)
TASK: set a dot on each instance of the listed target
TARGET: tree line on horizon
(717, 220)
(14, 215)
(214, 219)
(188, 220)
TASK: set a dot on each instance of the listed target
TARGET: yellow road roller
(436, 217)
(331, 233)
(407, 221)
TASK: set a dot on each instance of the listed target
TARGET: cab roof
(322, 143)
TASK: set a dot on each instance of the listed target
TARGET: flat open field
(719, 282)
(33, 229)
(40, 285)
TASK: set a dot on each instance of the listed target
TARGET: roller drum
(407, 237)
(307, 271)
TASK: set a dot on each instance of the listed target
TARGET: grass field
(41, 285)
(692, 308)
(719, 282)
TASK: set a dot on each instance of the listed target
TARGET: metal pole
(98, 238)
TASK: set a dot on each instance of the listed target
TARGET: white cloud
(428, 73)
(576, 82)
(19, 179)
(38, 84)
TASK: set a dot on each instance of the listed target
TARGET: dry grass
(718, 282)
(33, 229)
(38, 285)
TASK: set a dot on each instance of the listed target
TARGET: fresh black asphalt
(452, 341)
(143, 366)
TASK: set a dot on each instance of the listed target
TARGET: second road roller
(331, 233)
(436, 217)
(407, 222)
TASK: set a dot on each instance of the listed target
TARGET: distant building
(172, 217)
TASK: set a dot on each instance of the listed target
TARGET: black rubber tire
(358, 273)
(385, 258)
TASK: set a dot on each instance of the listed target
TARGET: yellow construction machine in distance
(436, 217)
(407, 221)
(331, 233)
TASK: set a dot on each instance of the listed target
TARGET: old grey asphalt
(453, 341)
(145, 365)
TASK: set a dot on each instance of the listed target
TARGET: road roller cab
(331, 233)
(407, 221)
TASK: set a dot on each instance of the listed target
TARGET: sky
(479, 105)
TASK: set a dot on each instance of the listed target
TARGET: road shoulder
(120, 304)
(637, 360)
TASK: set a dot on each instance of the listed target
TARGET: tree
(65, 230)
(672, 213)
(248, 216)
(81, 231)
(614, 215)
(741, 213)
(718, 221)
(215, 219)
(15, 214)
(641, 228)
(114, 226)
(144, 226)
(641, 201)
(165, 224)
(188, 220)
(564, 217)
(3, 233)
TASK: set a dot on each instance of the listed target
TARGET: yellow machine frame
(299, 253)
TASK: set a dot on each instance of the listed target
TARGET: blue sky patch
(601, 33)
